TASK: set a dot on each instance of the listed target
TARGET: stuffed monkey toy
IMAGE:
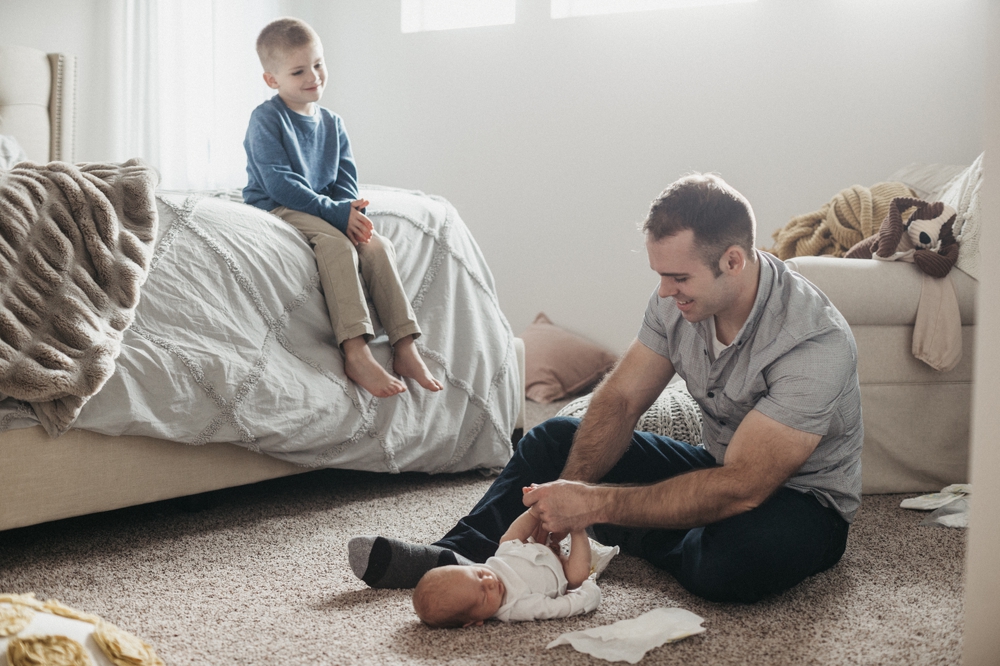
(927, 236)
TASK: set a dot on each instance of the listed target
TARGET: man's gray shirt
(794, 361)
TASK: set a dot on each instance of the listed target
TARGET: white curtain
(185, 77)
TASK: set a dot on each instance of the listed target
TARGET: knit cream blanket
(75, 246)
(850, 217)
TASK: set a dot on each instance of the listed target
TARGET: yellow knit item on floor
(36, 630)
(47, 651)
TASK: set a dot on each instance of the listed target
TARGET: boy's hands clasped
(359, 227)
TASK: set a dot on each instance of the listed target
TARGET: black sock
(390, 563)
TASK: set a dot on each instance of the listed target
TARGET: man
(773, 365)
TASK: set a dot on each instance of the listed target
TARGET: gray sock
(390, 563)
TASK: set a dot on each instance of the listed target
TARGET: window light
(423, 15)
(569, 8)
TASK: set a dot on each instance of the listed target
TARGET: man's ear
(733, 260)
(270, 80)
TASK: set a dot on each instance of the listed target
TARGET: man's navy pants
(742, 558)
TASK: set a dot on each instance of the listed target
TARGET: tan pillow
(558, 363)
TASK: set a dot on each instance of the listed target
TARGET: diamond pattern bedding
(232, 342)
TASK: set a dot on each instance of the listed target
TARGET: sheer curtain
(185, 77)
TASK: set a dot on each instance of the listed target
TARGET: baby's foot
(408, 363)
(362, 368)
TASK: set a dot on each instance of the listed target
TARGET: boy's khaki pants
(346, 289)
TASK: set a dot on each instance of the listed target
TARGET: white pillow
(962, 194)
(10, 152)
(927, 180)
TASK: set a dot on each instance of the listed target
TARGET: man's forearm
(689, 500)
(604, 435)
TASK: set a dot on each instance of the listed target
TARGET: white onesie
(536, 584)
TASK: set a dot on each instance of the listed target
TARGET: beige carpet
(260, 576)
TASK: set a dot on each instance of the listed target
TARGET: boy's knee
(335, 243)
(377, 246)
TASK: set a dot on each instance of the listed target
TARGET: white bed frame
(82, 472)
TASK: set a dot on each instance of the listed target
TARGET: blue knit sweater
(300, 162)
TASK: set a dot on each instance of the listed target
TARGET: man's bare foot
(362, 368)
(408, 363)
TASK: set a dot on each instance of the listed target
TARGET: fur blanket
(850, 217)
(75, 247)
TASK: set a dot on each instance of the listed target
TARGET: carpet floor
(259, 575)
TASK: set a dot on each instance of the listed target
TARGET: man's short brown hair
(281, 36)
(719, 216)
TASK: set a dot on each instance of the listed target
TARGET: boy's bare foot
(362, 368)
(408, 363)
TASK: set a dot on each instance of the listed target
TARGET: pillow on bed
(10, 152)
(558, 363)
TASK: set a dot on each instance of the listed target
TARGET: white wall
(552, 137)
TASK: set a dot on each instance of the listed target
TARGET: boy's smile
(300, 78)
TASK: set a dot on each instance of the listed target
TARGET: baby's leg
(577, 566)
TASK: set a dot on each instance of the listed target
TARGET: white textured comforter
(232, 342)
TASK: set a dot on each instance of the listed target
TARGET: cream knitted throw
(674, 414)
(75, 246)
(850, 217)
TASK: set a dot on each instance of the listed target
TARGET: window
(569, 8)
(423, 15)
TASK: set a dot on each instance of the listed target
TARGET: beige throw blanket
(75, 246)
(850, 217)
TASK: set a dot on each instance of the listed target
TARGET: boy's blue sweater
(300, 162)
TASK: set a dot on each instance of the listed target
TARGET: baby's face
(481, 589)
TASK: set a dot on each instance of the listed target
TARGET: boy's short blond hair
(281, 36)
(433, 602)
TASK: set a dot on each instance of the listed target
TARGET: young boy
(300, 168)
(523, 581)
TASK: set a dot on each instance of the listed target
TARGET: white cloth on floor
(947, 495)
(629, 640)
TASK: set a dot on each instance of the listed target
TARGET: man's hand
(564, 506)
(359, 227)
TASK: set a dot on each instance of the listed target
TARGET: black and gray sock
(390, 563)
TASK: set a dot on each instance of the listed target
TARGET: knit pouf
(675, 414)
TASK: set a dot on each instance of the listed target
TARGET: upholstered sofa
(916, 418)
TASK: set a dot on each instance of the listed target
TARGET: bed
(227, 375)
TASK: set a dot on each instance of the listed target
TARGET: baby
(523, 581)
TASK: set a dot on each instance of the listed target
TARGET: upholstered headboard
(37, 101)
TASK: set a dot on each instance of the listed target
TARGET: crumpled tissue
(950, 506)
(947, 495)
(630, 640)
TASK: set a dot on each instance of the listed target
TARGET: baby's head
(458, 596)
(291, 54)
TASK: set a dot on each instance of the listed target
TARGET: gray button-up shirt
(794, 361)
